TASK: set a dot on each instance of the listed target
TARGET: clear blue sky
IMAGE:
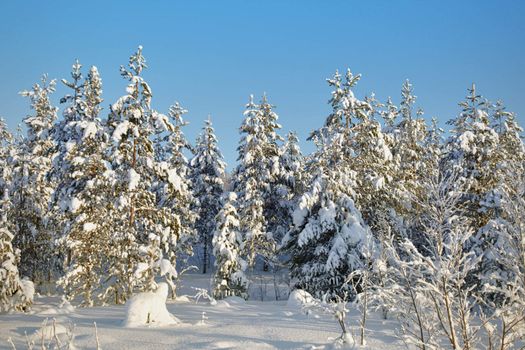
(210, 55)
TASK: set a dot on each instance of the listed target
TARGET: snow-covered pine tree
(471, 151)
(229, 279)
(508, 161)
(207, 177)
(292, 183)
(363, 148)
(327, 239)
(31, 190)
(11, 288)
(255, 180)
(86, 185)
(176, 194)
(140, 226)
(15, 294)
(6, 148)
(412, 164)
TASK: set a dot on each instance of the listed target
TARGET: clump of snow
(74, 204)
(120, 130)
(90, 130)
(299, 298)
(89, 226)
(134, 179)
(174, 179)
(149, 309)
(166, 268)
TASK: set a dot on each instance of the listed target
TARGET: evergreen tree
(31, 190)
(207, 175)
(255, 178)
(140, 226)
(328, 236)
(176, 194)
(292, 184)
(87, 230)
(14, 294)
(229, 279)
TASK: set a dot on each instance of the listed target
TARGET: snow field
(230, 324)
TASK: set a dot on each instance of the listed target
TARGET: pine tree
(229, 279)
(14, 294)
(207, 177)
(176, 194)
(254, 180)
(410, 149)
(31, 190)
(356, 143)
(6, 148)
(292, 183)
(140, 225)
(87, 230)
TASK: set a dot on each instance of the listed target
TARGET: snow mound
(241, 345)
(64, 307)
(234, 300)
(221, 303)
(149, 309)
(183, 299)
(299, 298)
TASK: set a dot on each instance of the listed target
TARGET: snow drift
(299, 298)
(149, 309)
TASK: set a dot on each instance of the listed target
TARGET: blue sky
(210, 55)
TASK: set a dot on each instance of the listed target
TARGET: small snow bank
(299, 298)
(227, 302)
(234, 300)
(183, 299)
(64, 307)
(149, 309)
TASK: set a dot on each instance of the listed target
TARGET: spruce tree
(31, 190)
(176, 193)
(255, 178)
(328, 236)
(229, 279)
(207, 177)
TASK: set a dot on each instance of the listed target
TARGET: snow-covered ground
(225, 325)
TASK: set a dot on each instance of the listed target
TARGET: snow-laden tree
(501, 202)
(176, 194)
(503, 292)
(207, 177)
(31, 190)
(14, 292)
(229, 278)
(413, 154)
(328, 236)
(13, 295)
(140, 225)
(85, 195)
(474, 150)
(363, 148)
(254, 178)
(6, 148)
(470, 152)
(292, 183)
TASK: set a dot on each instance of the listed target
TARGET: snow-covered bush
(149, 309)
